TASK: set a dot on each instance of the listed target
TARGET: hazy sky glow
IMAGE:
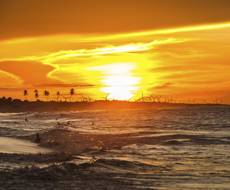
(120, 48)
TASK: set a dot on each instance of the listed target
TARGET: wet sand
(12, 145)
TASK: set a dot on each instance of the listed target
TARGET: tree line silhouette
(46, 93)
(151, 98)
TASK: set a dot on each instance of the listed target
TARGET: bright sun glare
(118, 80)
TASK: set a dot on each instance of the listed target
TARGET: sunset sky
(178, 49)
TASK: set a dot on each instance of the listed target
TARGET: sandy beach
(18, 146)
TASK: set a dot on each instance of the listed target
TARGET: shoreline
(40, 106)
(12, 145)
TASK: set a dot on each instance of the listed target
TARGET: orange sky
(179, 49)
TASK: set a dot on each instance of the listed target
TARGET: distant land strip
(41, 106)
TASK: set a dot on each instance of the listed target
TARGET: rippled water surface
(121, 149)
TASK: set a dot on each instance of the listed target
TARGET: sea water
(185, 148)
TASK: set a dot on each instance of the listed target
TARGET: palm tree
(25, 94)
(58, 94)
(46, 93)
(72, 92)
(36, 96)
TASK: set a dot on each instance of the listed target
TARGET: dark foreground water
(122, 149)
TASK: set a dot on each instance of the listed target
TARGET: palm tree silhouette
(46, 93)
(25, 94)
(36, 96)
(58, 94)
(72, 92)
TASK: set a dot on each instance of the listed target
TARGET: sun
(119, 81)
(119, 92)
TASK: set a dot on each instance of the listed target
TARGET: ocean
(184, 148)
